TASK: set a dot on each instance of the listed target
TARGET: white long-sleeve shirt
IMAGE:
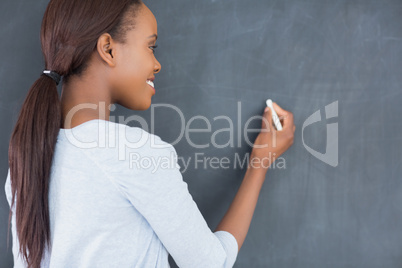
(116, 200)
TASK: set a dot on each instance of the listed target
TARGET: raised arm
(238, 217)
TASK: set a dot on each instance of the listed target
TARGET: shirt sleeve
(154, 185)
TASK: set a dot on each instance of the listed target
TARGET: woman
(75, 200)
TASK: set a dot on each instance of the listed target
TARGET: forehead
(145, 22)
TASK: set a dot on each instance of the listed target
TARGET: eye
(153, 48)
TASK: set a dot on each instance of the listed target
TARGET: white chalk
(275, 117)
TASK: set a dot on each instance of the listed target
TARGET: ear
(107, 49)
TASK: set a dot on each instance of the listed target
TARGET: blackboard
(335, 200)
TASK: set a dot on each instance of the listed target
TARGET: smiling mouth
(150, 83)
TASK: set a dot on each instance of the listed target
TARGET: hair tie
(55, 76)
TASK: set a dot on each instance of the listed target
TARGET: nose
(157, 66)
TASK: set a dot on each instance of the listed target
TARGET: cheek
(129, 73)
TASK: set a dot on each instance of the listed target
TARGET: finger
(267, 117)
(286, 117)
(267, 121)
(287, 121)
(279, 110)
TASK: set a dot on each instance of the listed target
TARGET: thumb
(267, 120)
(278, 109)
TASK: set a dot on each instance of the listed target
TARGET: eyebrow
(154, 35)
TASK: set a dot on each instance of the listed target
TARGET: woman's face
(136, 63)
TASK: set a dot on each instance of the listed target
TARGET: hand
(270, 143)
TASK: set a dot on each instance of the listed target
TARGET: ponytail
(30, 156)
(69, 35)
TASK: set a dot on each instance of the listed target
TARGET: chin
(136, 107)
(145, 106)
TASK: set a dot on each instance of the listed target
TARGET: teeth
(150, 83)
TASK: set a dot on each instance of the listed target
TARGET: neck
(84, 99)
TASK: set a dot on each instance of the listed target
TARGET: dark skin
(116, 73)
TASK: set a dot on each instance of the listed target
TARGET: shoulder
(135, 139)
(125, 147)
(114, 147)
(142, 164)
(147, 147)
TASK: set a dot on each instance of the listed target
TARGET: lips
(149, 82)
